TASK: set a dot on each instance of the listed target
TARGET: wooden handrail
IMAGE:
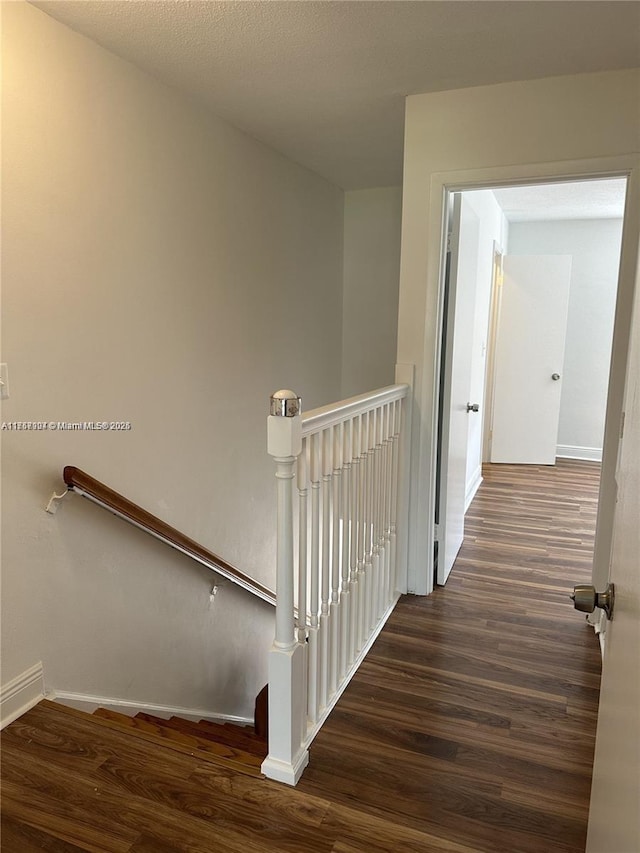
(87, 486)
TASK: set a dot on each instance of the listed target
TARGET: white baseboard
(280, 771)
(473, 487)
(88, 703)
(568, 451)
(21, 694)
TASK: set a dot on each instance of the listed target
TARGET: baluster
(303, 557)
(359, 576)
(353, 556)
(398, 413)
(377, 502)
(326, 566)
(303, 565)
(369, 562)
(345, 595)
(374, 496)
(365, 579)
(379, 541)
(370, 486)
(386, 524)
(314, 577)
(379, 537)
(336, 507)
(380, 513)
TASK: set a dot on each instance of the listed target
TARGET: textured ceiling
(601, 199)
(324, 82)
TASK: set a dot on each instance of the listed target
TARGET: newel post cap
(284, 425)
(285, 404)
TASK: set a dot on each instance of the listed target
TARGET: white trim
(472, 487)
(281, 771)
(405, 374)
(21, 694)
(88, 703)
(335, 413)
(569, 451)
(424, 441)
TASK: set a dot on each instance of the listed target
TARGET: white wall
(492, 233)
(372, 224)
(482, 136)
(595, 248)
(159, 267)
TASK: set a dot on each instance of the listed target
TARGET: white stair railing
(340, 522)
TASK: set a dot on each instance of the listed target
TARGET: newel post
(287, 700)
(284, 443)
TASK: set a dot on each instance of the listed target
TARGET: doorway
(571, 230)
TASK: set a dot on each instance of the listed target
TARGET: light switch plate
(4, 381)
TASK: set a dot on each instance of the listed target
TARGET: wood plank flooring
(473, 718)
(469, 728)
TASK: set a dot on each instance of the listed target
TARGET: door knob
(473, 407)
(555, 376)
(586, 599)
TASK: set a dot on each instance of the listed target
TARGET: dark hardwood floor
(469, 728)
(473, 718)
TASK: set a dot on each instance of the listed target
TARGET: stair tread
(208, 750)
(117, 723)
(245, 732)
(226, 738)
(235, 736)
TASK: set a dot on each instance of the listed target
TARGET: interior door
(614, 818)
(529, 358)
(460, 296)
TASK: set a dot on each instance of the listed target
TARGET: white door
(614, 816)
(529, 358)
(456, 381)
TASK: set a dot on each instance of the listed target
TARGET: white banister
(346, 457)
(288, 755)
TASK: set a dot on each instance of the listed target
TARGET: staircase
(235, 747)
(349, 462)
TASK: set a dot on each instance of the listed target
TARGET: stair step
(230, 737)
(237, 736)
(154, 729)
(261, 713)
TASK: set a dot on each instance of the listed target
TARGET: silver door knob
(473, 407)
(586, 599)
(555, 376)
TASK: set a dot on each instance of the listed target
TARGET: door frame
(423, 493)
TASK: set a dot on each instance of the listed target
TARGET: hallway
(473, 718)
(469, 728)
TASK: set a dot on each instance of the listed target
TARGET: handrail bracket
(54, 500)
